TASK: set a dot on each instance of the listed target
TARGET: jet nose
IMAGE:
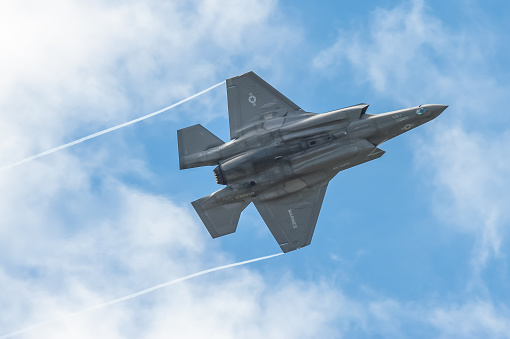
(438, 109)
(434, 110)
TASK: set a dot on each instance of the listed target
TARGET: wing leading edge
(292, 218)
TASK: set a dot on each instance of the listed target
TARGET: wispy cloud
(473, 320)
(74, 248)
(411, 56)
(78, 66)
(470, 171)
(74, 234)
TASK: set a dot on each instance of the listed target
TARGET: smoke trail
(72, 143)
(134, 295)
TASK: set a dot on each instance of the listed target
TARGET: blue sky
(414, 244)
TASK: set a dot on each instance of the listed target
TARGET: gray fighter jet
(282, 158)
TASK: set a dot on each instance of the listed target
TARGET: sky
(414, 244)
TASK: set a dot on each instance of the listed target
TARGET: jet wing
(251, 99)
(292, 218)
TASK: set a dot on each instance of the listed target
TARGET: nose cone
(438, 109)
(434, 110)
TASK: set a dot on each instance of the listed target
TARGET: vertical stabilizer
(193, 140)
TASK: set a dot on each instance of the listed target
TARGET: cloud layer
(74, 233)
(411, 56)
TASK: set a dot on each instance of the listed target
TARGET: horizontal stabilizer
(219, 220)
(192, 140)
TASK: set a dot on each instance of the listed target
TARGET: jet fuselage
(265, 161)
(282, 158)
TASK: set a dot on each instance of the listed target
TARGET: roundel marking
(252, 99)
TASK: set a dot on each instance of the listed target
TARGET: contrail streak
(72, 143)
(134, 295)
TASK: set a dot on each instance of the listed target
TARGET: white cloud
(473, 320)
(122, 242)
(412, 57)
(141, 241)
(409, 55)
(70, 67)
(70, 241)
(470, 171)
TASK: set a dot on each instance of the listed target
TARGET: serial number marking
(292, 219)
(245, 195)
(341, 166)
(399, 117)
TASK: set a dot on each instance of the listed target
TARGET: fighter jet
(282, 158)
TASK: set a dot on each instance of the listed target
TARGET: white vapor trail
(134, 295)
(107, 130)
